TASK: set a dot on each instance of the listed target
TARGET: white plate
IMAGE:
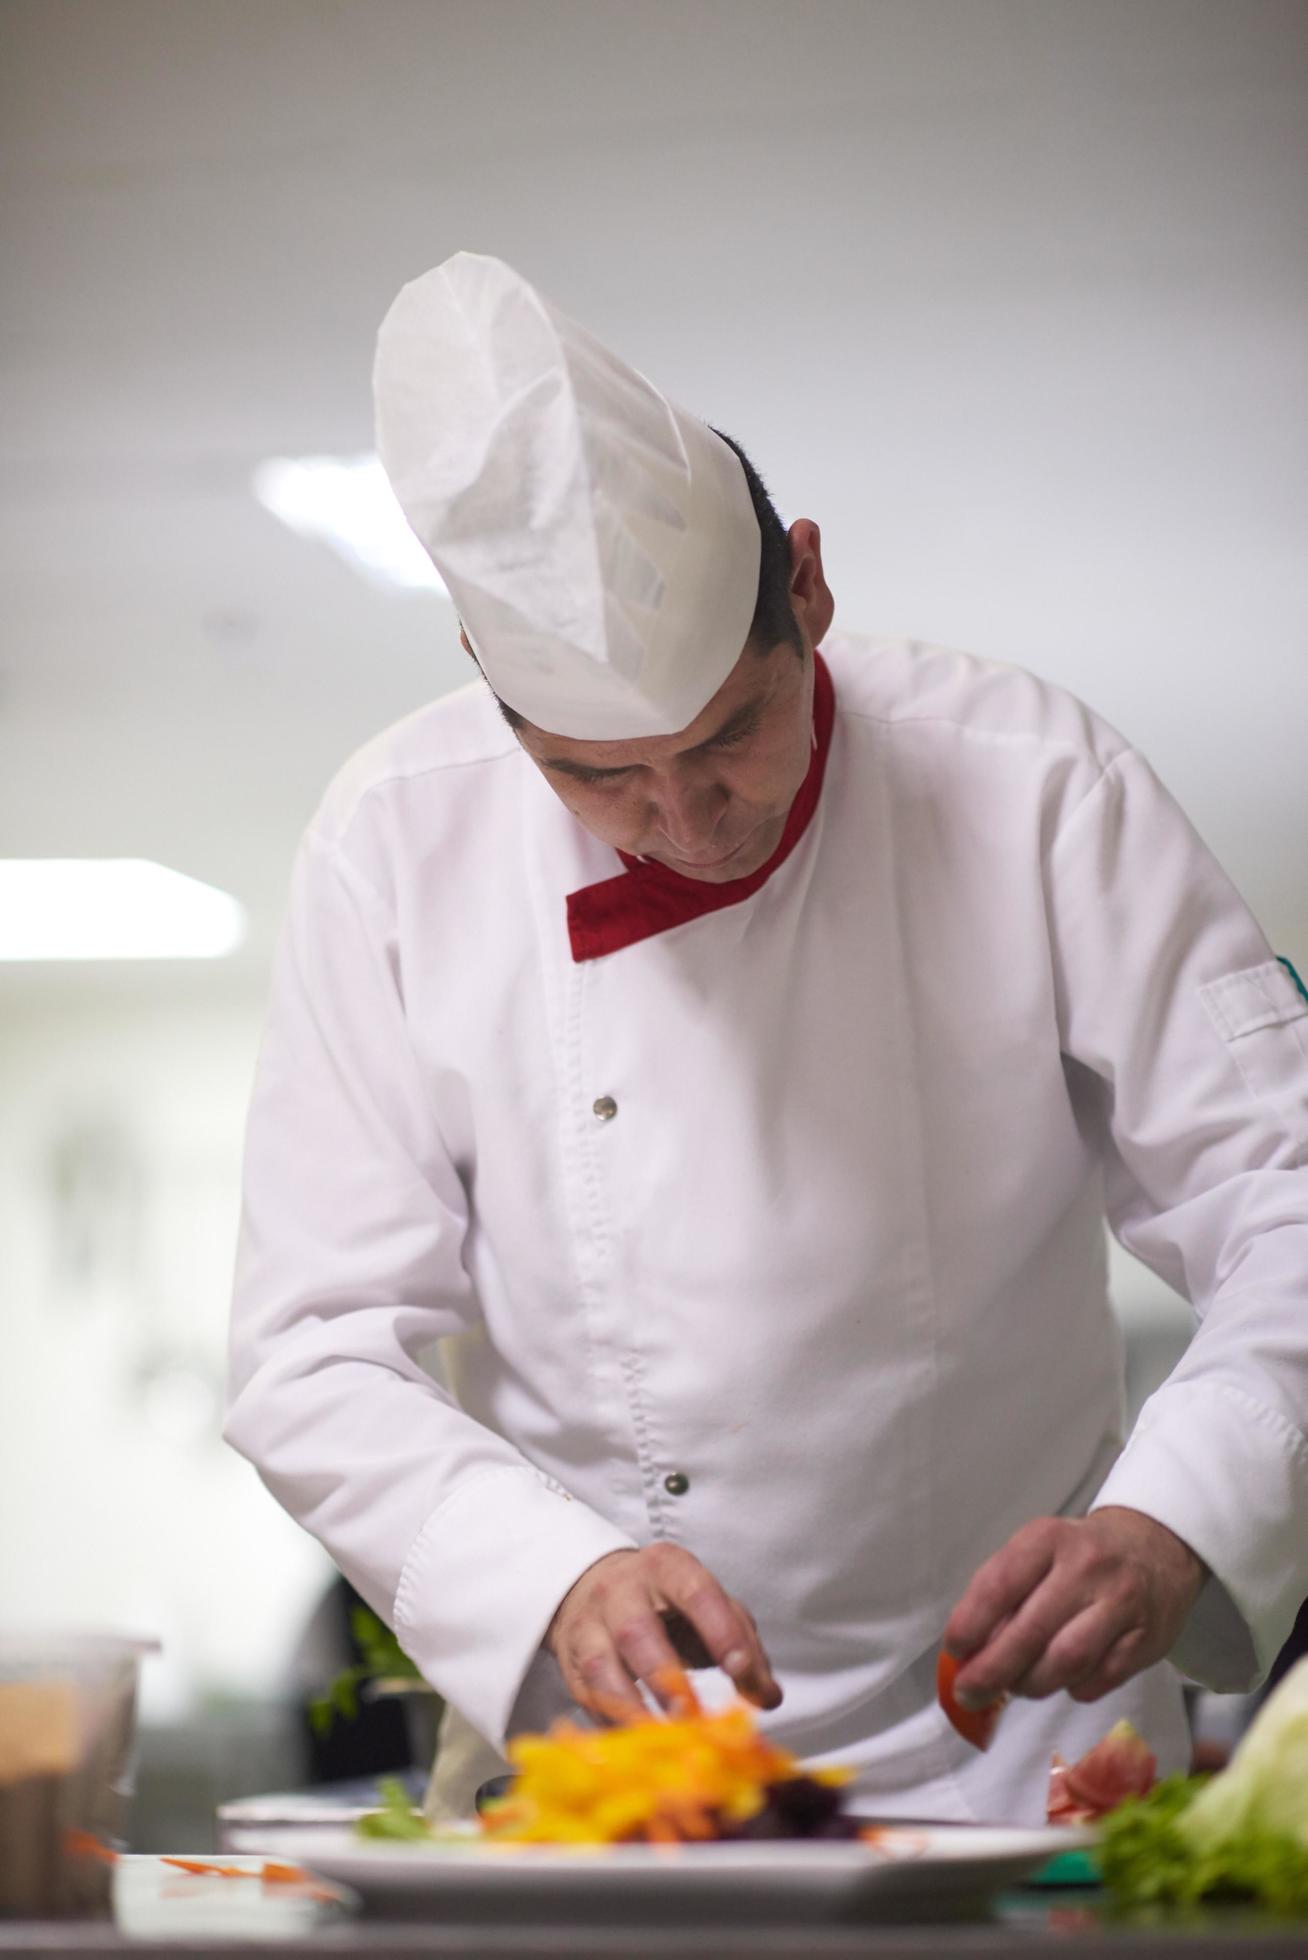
(912, 1871)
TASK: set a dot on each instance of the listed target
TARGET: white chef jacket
(837, 1262)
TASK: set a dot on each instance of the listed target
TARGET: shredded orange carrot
(269, 1873)
(654, 1780)
(673, 1685)
(307, 1886)
(205, 1868)
(895, 1840)
(84, 1844)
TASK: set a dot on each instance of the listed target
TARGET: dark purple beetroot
(799, 1807)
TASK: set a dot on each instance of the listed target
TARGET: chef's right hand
(634, 1615)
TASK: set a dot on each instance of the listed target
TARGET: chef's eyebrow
(743, 722)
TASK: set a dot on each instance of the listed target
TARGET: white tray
(912, 1871)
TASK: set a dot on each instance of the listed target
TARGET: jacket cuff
(483, 1580)
(1230, 1477)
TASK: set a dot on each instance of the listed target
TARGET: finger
(757, 1640)
(999, 1587)
(749, 1650)
(733, 1642)
(1018, 1647)
(1079, 1647)
(641, 1639)
(1124, 1658)
(725, 1629)
(594, 1675)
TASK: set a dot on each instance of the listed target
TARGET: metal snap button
(676, 1483)
(605, 1108)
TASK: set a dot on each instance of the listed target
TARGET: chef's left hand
(1075, 1603)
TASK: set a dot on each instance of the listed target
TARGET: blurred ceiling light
(348, 503)
(112, 909)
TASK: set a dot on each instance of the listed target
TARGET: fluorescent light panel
(112, 909)
(348, 503)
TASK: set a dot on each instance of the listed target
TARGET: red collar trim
(648, 898)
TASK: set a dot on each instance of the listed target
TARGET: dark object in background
(377, 1740)
(1294, 1649)
(492, 1791)
(1212, 1754)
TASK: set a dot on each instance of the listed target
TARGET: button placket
(592, 1237)
(608, 1188)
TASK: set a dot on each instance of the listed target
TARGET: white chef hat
(599, 543)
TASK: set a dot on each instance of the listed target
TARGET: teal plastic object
(1079, 1868)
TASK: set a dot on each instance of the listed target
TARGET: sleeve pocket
(1261, 1016)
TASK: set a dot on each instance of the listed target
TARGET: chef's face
(711, 801)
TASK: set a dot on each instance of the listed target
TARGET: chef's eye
(595, 778)
(735, 738)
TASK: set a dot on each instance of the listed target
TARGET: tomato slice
(975, 1725)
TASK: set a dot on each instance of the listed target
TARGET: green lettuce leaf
(1147, 1858)
(1264, 1787)
(1241, 1835)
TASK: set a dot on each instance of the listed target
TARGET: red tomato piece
(975, 1725)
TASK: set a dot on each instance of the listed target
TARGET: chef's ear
(464, 639)
(810, 595)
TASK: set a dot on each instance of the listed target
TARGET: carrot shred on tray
(269, 1873)
(206, 1868)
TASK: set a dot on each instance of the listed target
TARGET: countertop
(158, 1909)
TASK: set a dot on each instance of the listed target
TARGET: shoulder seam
(379, 783)
(1017, 735)
(1070, 823)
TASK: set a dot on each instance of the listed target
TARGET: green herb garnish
(397, 1818)
(382, 1659)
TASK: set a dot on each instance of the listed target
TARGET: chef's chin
(752, 851)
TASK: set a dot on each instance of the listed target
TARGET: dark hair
(774, 616)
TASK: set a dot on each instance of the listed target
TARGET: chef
(702, 1055)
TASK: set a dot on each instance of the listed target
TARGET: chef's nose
(689, 811)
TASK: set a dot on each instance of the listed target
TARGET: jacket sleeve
(1191, 1043)
(349, 1266)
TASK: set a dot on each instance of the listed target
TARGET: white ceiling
(1011, 295)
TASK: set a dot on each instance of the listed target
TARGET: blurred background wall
(1010, 295)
